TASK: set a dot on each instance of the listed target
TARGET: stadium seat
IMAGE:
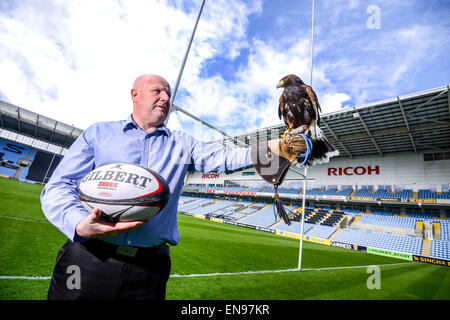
(321, 222)
(384, 194)
(440, 249)
(398, 243)
(262, 218)
(428, 194)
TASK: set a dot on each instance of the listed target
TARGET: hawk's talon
(285, 134)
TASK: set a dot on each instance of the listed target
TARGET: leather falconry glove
(273, 158)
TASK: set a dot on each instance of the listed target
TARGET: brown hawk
(299, 107)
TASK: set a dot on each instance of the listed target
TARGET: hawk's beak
(280, 84)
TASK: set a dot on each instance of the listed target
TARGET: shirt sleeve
(215, 158)
(59, 198)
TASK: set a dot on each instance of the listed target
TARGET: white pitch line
(24, 219)
(228, 273)
(222, 273)
(276, 271)
(24, 278)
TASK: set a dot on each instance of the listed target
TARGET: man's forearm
(62, 207)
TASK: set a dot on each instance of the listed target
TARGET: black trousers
(93, 270)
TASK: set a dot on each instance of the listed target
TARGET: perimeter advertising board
(435, 261)
(390, 253)
(348, 246)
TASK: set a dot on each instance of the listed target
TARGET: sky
(75, 61)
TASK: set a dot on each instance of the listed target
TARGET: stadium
(373, 223)
(385, 201)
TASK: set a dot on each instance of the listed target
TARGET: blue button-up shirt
(170, 153)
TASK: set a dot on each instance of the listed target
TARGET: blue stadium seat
(263, 218)
(428, 194)
(398, 243)
(440, 249)
(10, 155)
(384, 194)
(319, 231)
(294, 227)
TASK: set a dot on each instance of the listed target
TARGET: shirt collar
(130, 124)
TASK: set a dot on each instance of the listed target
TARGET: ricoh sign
(358, 171)
(210, 175)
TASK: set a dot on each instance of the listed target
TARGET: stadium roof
(417, 122)
(17, 120)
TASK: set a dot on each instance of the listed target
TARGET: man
(130, 260)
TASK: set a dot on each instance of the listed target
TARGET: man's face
(151, 99)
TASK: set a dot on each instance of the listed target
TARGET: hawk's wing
(281, 108)
(297, 113)
(314, 101)
(298, 106)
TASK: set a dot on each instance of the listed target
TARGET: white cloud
(419, 44)
(76, 61)
(86, 54)
(251, 99)
(333, 102)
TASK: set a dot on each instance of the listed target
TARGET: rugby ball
(124, 191)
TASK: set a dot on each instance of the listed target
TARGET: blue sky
(75, 61)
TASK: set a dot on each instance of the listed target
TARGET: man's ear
(134, 93)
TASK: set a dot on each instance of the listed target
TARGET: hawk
(298, 107)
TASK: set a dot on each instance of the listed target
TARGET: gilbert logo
(119, 176)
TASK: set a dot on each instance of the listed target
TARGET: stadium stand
(445, 230)
(262, 218)
(428, 194)
(390, 220)
(384, 194)
(440, 249)
(333, 219)
(381, 193)
(397, 243)
(12, 156)
(195, 204)
(294, 227)
(24, 163)
(212, 207)
(381, 229)
(330, 192)
(321, 231)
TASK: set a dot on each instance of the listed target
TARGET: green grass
(29, 245)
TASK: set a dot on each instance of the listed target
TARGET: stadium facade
(387, 190)
(394, 172)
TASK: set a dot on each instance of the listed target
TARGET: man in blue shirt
(134, 254)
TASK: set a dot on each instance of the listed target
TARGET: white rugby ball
(124, 191)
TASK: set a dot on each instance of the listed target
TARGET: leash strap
(309, 148)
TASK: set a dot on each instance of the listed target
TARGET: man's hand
(293, 145)
(93, 226)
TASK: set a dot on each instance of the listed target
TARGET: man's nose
(164, 96)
